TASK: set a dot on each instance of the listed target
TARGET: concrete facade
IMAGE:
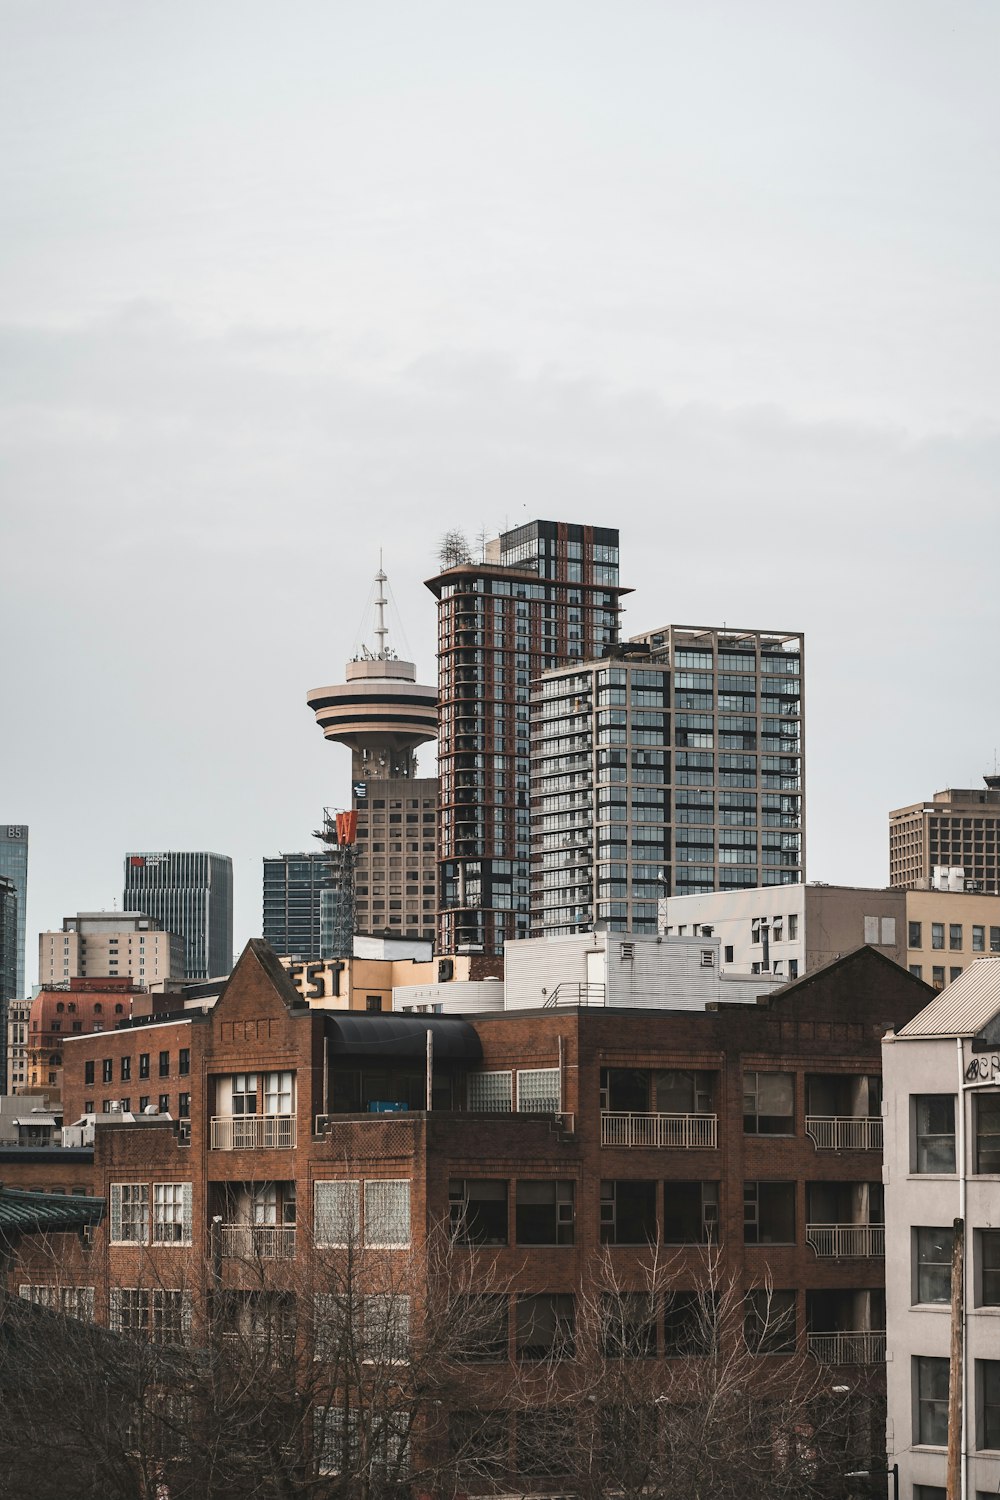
(110, 944)
(941, 1081)
(958, 829)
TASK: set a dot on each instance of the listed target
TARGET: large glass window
(628, 1213)
(988, 1132)
(690, 1212)
(933, 1251)
(930, 1376)
(478, 1210)
(172, 1213)
(769, 1213)
(129, 1213)
(934, 1132)
(988, 1372)
(768, 1103)
(544, 1213)
(769, 1321)
(545, 1326)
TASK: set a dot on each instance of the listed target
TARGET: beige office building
(947, 930)
(105, 943)
(958, 831)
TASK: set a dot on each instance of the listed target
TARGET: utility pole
(956, 1365)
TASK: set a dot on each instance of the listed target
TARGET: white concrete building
(790, 930)
(941, 1076)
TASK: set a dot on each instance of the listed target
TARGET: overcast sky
(284, 284)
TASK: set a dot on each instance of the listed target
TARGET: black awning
(393, 1036)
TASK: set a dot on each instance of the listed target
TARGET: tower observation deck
(381, 713)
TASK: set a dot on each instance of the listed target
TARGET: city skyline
(725, 284)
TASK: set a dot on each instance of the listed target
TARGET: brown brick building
(559, 1140)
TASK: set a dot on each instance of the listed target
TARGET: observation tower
(381, 713)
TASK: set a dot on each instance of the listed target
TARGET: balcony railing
(845, 1132)
(846, 1241)
(688, 1132)
(866, 1347)
(253, 1132)
(257, 1241)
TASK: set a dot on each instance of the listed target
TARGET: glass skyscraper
(14, 867)
(189, 893)
(299, 897)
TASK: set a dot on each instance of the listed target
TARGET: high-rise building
(298, 896)
(382, 714)
(103, 944)
(8, 966)
(189, 893)
(959, 831)
(673, 766)
(543, 595)
(14, 866)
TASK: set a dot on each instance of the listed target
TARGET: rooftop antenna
(381, 629)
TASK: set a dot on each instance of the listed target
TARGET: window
(955, 936)
(545, 1326)
(164, 1064)
(768, 1103)
(156, 1313)
(937, 976)
(337, 1213)
(628, 1325)
(690, 1324)
(995, 939)
(628, 1213)
(279, 1091)
(933, 1252)
(914, 934)
(373, 1003)
(481, 1327)
(930, 1379)
(937, 934)
(71, 1301)
(978, 939)
(934, 1132)
(917, 970)
(244, 1093)
(988, 1393)
(769, 1213)
(690, 1212)
(88, 1072)
(386, 1335)
(953, 974)
(478, 1211)
(184, 1061)
(172, 1213)
(544, 1213)
(728, 953)
(793, 927)
(491, 1092)
(769, 1321)
(183, 1106)
(387, 1214)
(538, 1091)
(126, 1067)
(163, 1103)
(108, 1069)
(987, 1106)
(129, 1213)
(143, 1064)
(989, 1267)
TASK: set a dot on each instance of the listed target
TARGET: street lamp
(878, 1474)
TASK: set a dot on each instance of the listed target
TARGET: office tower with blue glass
(300, 894)
(190, 893)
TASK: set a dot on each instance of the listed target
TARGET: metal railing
(253, 1132)
(846, 1241)
(257, 1241)
(845, 1132)
(865, 1347)
(575, 994)
(685, 1131)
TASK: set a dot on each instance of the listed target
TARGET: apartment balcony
(686, 1132)
(257, 1241)
(253, 1132)
(845, 1132)
(865, 1347)
(846, 1241)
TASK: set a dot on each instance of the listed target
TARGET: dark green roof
(41, 1213)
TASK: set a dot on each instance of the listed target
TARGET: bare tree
(453, 549)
